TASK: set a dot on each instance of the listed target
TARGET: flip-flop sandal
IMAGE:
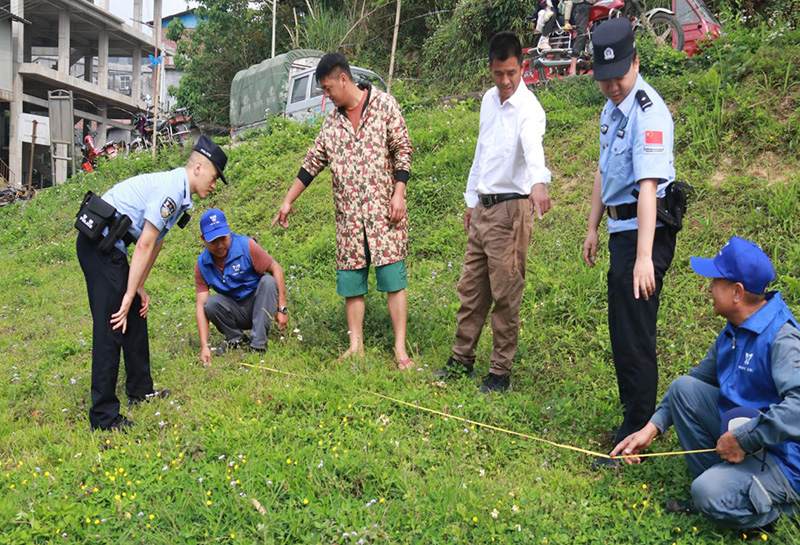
(405, 364)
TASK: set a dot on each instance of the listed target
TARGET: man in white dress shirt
(507, 184)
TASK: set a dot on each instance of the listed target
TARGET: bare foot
(351, 352)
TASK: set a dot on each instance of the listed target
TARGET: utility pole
(156, 69)
(274, 22)
(394, 47)
(30, 168)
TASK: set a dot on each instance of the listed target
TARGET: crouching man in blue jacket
(753, 368)
(249, 284)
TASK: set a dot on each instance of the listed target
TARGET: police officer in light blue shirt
(159, 198)
(154, 203)
(636, 166)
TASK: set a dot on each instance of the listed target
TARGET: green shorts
(391, 278)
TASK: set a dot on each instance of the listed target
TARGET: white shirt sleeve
(531, 134)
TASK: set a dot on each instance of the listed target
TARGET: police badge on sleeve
(168, 207)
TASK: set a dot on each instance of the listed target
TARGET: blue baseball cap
(738, 261)
(214, 225)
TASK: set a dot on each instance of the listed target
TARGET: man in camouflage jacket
(365, 142)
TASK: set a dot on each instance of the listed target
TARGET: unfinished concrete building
(85, 34)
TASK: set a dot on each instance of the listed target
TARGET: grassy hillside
(327, 461)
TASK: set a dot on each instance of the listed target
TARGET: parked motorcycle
(90, 153)
(176, 128)
(660, 23)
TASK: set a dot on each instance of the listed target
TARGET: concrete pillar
(137, 14)
(102, 59)
(157, 30)
(136, 78)
(14, 140)
(63, 42)
(102, 135)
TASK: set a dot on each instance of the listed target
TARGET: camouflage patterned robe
(363, 164)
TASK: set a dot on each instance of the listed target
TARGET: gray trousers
(254, 313)
(736, 495)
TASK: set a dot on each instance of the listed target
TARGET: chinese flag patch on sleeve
(654, 137)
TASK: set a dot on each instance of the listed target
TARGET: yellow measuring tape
(489, 426)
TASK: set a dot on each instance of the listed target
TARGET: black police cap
(206, 147)
(613, 48)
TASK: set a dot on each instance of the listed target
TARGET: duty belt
(489, 200)
(630, 210)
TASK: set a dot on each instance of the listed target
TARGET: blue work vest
(238, 279)
(744, 371)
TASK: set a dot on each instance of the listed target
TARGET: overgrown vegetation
(442, 44)
(328, 462)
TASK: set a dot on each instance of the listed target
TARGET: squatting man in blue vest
(246, 296)
(753, 366)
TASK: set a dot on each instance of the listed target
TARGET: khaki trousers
(494, 272)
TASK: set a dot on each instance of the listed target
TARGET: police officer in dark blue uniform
(636, 168)
(154, 203)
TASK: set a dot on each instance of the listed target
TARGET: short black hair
(504, 45)
(331, 62)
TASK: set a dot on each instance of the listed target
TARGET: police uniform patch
(643, 100)
(653, 142)
(168, 207)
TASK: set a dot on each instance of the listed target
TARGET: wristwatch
(283, 310)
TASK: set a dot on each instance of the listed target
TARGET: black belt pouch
(94, 216)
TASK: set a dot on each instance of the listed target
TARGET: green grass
(327, 461)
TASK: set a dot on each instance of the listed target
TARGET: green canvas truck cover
(264, 86)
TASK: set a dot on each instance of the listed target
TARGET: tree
(230, 36)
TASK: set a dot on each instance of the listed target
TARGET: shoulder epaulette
(643, 100)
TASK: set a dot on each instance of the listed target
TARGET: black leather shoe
(227, 346)
(134, 401)
(120, 423)
(495, 383)
(687, 507)
(454, 369)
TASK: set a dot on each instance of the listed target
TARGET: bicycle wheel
(666, 30)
